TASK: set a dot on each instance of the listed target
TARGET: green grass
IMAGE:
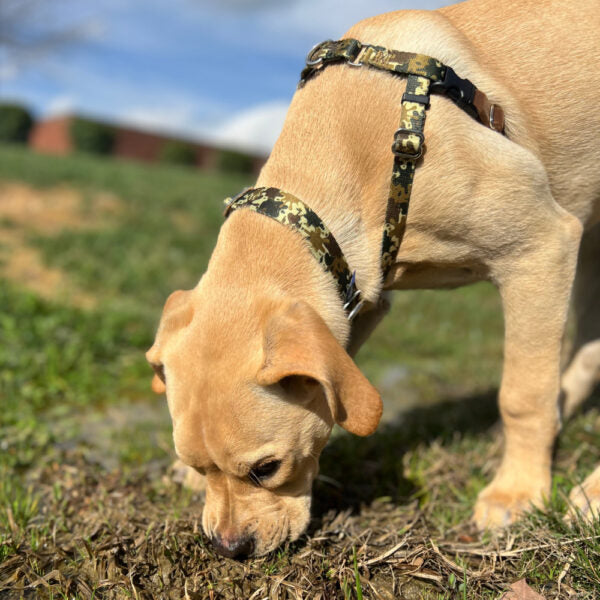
(84, 443)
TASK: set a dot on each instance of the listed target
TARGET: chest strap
(425, 75)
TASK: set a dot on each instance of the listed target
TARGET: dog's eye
(264, 471)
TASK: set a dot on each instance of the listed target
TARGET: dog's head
(253, 395)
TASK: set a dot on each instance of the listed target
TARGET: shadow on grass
(356, 471)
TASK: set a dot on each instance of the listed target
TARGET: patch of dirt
(112, 533)
(25, 210)
(116, 535)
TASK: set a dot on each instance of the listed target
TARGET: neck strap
(291, 211)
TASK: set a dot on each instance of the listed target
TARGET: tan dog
(254, 360)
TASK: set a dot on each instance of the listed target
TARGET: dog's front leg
(535, 280)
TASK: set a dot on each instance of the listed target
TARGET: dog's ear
(177, 313)
(298, 342)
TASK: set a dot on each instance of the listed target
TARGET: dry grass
(118, 533)
(87, 508)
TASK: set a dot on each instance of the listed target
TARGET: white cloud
(320, 19)
(255, 129)
(60, 105)
(252, 130)
(8, 70)
(172, 119)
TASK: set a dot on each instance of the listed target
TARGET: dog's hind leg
(583, 373)
(534, 279)
(584, 499)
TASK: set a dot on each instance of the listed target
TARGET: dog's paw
(186, 476)
(498, 507)
(584, 500)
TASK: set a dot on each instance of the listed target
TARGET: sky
(222, 71)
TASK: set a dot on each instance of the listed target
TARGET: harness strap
(443, 78)
(289, 210)
(357, 54)
(425, 75)
(407, 149)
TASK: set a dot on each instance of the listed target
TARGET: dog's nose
(233, 547)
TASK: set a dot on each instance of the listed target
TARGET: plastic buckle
(408, 155)
(459, 89)
(353, 295)
(418, 98)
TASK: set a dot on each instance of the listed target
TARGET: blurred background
(123, 125)
(208, 72)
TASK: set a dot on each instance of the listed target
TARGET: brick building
(53, 136)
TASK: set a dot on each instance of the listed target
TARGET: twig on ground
(508, 553)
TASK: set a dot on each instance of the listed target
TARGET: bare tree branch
(30, 29)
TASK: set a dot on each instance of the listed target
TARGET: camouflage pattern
(405, 63)
(408, 140)
(291, 211)
(353, 52)
(407, 148)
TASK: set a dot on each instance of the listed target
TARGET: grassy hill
(89, 250)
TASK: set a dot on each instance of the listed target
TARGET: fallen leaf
(519, 590)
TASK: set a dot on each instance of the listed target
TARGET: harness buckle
(399, 151)
(460, 91)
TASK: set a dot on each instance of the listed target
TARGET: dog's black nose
(233, 547)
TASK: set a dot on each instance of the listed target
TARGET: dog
(256, 359)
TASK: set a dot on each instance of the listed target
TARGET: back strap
(444, 79)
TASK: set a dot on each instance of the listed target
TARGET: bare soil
(25, 212)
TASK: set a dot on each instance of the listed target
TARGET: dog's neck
(345, 178)
(273, 264)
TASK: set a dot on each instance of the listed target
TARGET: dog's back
(545, 53)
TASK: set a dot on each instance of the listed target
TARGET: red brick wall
(140, 145)
(137, 144)
(51, 136)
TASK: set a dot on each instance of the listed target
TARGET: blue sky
(222, 70)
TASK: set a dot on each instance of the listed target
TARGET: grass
(86, 506)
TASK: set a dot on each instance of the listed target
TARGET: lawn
(89, 250)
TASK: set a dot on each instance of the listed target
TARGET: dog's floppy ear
(298, 342)
(177, 313)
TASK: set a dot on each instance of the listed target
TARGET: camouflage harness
(425, 75)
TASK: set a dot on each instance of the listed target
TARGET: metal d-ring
(491, 116)
(356, 62)
(355, 310)
(313, 63)
(352, 295)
